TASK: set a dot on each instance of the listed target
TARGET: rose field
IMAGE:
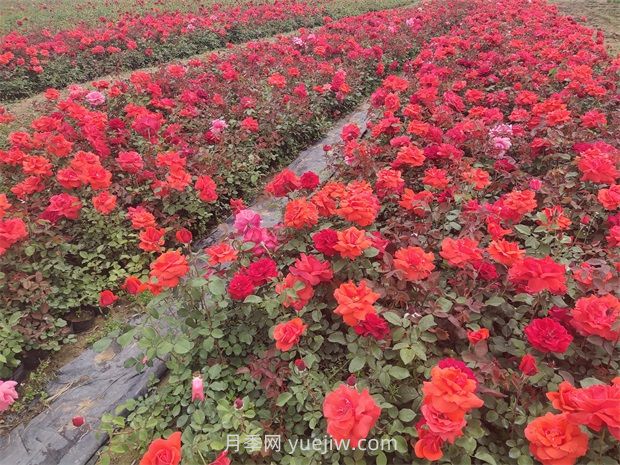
(328, 232)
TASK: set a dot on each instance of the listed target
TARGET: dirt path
(601, 14)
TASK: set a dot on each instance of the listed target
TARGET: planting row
(109, 177)
(32, 62)
(453, 289)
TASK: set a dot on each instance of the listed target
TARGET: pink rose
(8, 394)
(95, 98)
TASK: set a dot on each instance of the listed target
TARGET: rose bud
(528, 365)
(78, 421)
(300, 364)
(107, 298)
(327, 148)
(184, 236)
(198, 390)
(477, 336)
(585, 219)
(352, 380)
(238, 403)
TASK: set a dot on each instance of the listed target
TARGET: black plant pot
(82, 320)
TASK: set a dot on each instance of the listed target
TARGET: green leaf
(407, 354)
(444, 304)
(525, 230)
(183, 346)
(356, 364)
(252, 299)
(337, 338)
(392, 318)
(406, 415)
(485, 457)
(398, 372)
(381, 459)
(587, 382)
(125, 339)
(102, 344)
(525, 460)
(283, 399)
(217, 286)
(426, 322)
(371, 252)
(495, 301)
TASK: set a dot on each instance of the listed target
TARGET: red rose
(262, 271)
(184, 236)
(373, 325)
(528, 365)
(107, 298)
(240, 286)
(325, 240)
(221, 459)
(133, 285)
(309, 180)
(312, 270)
(547, 335)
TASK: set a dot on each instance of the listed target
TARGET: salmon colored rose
(556, 439)
(535, 275)
(300, 214)
(164, 451)
(460, 252)
(168, 268)
(595, 406)
(428, 445)
(350, 414)
(288, 334)
(414, 262)
(352, 242)
(450, 390)
(355, 302)
(597, 316)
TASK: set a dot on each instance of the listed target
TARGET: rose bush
(460, 270)
(91, 190)
(33, 61)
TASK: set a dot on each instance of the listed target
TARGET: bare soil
(599, 14)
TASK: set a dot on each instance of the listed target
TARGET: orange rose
(451, 390)
(352, 242)
(221, 253)
(350, 414)
(556, 439)
(521, 201)
(417, 203)
(164, 451)
(505, 252)
(168, 268)
(460, 252)
(288, 334)
(298, 292)
(354, 302)
(300, 214)
(325, 199)
(414, 262)
(358, 204)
